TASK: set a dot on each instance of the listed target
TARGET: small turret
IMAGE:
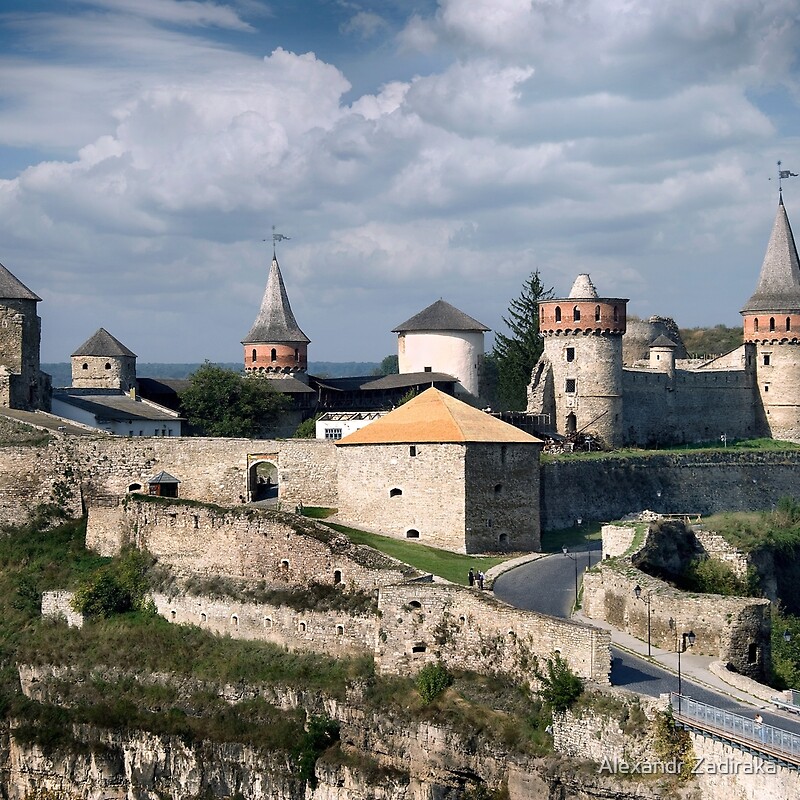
(275, 345)
(103, 362)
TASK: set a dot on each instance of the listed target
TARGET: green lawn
(451, 566)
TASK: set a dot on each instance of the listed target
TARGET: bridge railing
(767, 739)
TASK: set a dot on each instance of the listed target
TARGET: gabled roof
(275, 321)
(102, 343)
(434, 416)
(779, 282)
(440, 316)
(13, 289)
(163, 477)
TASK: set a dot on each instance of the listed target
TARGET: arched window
(337, 576)
(340, 630)
(273, 355)
(576, 314)
(173, 615)
(108, 366)
(415, 604)
(503, 538)
(85, 366)
(755, 324)
(597, 313)
(788, 323)
(395, 492)
(135, 487)
(285, 565)
(296, 354)
(268, 622)
(419, 648)
(558, 313)
(412, 534)
(203, 618)
(772, 323)
(235, 620)
(302, 627)
(255, 355)
(498, 488)
(616, 314)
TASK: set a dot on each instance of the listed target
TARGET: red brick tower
(275, 345)
(772, 324)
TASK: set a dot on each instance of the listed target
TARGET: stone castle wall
(104, 372)
(725, 627)
(470, 629)
(280, 550)
(617, 539)
(688, 406)
(337, 634)
(690, 483)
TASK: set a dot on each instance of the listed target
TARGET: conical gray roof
(583, 288)
(102, 343)
(779, 282)
(13, 289)
(275, 322)
(663, 341)
(440, 316)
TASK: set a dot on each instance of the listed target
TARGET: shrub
(715, 577)
(559, 686)
(115, 588)
(432, 680)
(320, 734)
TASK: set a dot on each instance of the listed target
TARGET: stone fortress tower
(103, 362)
(772, 323)
(22, 384)
(578, 380)
(275, 346)
(443, 339)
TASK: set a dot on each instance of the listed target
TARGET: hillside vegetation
(711, 341)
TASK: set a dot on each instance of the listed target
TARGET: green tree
(516, 354)
(388, 366)
(221, 402)
(432, 680)
(307, 429)
(559, 686)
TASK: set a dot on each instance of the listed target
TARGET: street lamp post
(575, 561)
(686, 639)
(638, 592)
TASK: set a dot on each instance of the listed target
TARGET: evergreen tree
(516, 354)
(221, 402)
(387, 367)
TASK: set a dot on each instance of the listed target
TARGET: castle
(583, 383)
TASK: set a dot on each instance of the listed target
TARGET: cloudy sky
(411, 149)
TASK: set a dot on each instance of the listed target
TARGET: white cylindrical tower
(442, 339)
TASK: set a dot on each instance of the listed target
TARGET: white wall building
(336, 424)
(443, 339)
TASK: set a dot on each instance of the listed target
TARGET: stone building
(103, 362)
(583, 382)
(445, 474)
(22, 384)
(443, 339)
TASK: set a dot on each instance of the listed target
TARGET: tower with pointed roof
(443, 339)
(772, 324)
(275, 345)
(578, 380)
(22, 384)
(103, 362)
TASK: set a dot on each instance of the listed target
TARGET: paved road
(548, 586)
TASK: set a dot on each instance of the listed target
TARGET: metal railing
(746, 731)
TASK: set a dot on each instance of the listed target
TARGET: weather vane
(783, 174)
(277, 237)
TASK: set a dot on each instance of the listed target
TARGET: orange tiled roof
(437, 417)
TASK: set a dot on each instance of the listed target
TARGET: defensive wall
(703, 482)
(733, 629)
(81, 471)
(471, 630)
(688, 406)
(275, 548)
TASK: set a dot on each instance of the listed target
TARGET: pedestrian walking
(481, 579)
(471, 578)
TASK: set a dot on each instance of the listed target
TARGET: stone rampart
(333, 633)
(703, 482)
(75, 471)
(58, 605)
(734, 629)
(717, 548)
(617, 539)
(469, 629)
(277, 549)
